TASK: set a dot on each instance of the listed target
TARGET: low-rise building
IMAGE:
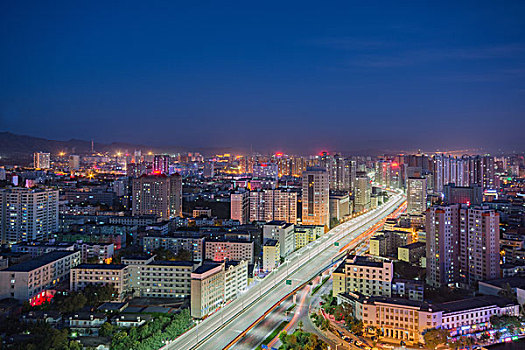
(409, 289)
(411, 253)
(166, 279)
(101, 252)
(32, 280)
(85, 323)
(131, 320)
(116, 275)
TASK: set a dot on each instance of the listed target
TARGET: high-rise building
(74, 162)
(159, 195)
(416, 195)
(41, 160)
(363, 190)
(268, 205)
(442, 238)
(240, 206)
(462, 244)
(209, 169)
(28, 214)
(479, 257)
(161, 164)
(315, 197)
(266, 170)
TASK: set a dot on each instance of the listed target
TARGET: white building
(284, 233)
(28, 214)
(271, 254)
(235, 278)
(32, 280)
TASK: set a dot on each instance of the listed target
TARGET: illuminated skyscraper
(416, 195)
(161, 163)
(41, 160)
(315, 197)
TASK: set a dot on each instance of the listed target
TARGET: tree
(435, 336)
(183, 255)
(163, 254)
(300, 326)
(106, 330)
(507, 292)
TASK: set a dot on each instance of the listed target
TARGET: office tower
(159, 195)
(442, 245)
(471, 195)
(28, 214)
(268, 205)
(240, 206)
(266, 170)
(161, 163)
(315, 197)
(339, 205)
(416, 195)
(462, 245)
(363, 190)
(479, 244)
(41, 160)
(74, 162)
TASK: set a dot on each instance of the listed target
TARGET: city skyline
(350, 77)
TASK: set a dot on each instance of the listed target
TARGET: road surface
(222, 327)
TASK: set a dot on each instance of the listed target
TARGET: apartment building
(165, 279)
(364, 275)
(195, 245)
(32, 280)
(116, 275)
(229, 249)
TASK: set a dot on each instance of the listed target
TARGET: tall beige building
(159, 195)
(207, 289)
(363, 191)
(27, 214)
(416, 195)
(240, 207)
(315, 197)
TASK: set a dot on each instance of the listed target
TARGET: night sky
(295, 76)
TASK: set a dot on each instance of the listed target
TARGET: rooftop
(271, 242)
(205, 267)
(513, 282)
(101, 266)
(170, 263)
(40, 261)
(474, 303)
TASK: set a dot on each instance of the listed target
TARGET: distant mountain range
(15, 149)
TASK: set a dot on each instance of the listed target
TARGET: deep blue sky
(297, 76)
